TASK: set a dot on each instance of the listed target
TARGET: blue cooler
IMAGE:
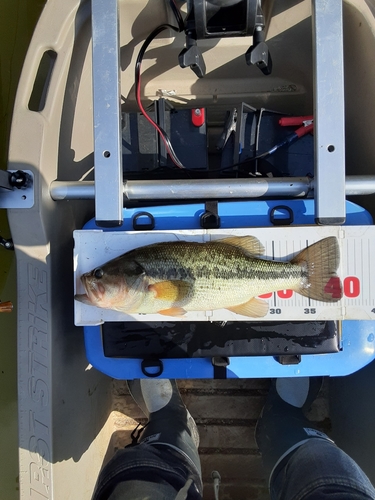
(246, 349)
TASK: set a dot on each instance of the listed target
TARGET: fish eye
(98, 273)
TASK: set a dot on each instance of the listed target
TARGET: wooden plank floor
(226, 412)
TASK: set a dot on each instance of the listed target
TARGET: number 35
(310, 310)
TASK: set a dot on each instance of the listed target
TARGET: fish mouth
(94, 290)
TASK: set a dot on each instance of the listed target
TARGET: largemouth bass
(172, 278)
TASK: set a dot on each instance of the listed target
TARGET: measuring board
(93, 248)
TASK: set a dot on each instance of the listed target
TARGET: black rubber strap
(280, 220)
(220, 364)
(152, 367)
(210, 218)
(143, 221)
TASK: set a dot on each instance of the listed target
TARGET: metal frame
(107, 115)
(328, 114)
(329, 106)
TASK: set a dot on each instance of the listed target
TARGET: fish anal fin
(319, 264)
(173, 311)
(171, 291)
(254, 308)
(250, 244)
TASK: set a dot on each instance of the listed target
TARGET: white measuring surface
(94, 248)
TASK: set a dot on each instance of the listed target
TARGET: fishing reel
(225, 18)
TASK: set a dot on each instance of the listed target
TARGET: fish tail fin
(319, 264)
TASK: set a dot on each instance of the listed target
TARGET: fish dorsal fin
(248, 243)
(254, 308)
(172, 291)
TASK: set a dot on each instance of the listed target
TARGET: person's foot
(282, 426)
(160, 399)
(299, 392)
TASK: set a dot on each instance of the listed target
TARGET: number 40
(351, 287)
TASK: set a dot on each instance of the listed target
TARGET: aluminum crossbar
(287, 187)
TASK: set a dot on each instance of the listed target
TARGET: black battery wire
(163, 135)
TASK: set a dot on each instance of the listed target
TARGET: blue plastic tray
(357, 339)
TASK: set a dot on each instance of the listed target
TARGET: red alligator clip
(306, 122)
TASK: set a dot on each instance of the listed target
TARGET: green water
(17, 22)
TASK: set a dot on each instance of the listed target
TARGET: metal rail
(107, 118)
(286, 187)
(329, 133)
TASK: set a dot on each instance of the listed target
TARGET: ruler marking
(369, 282)
(362, 273)
(355, 266)
(273, 258)
(308, 298)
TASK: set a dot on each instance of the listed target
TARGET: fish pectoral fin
(250, 244)
(254, 308)
(172, 291)
(83, 298)
(173, 311)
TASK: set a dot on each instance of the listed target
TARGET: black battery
(144, 150)
(258, 132)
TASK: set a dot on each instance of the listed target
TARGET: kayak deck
(65, 405)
